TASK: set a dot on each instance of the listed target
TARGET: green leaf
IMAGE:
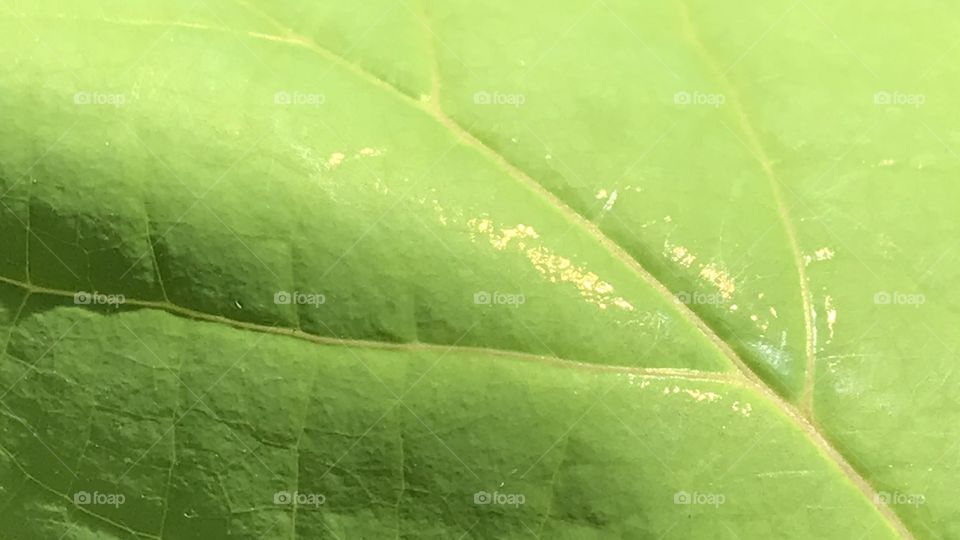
(400, 269)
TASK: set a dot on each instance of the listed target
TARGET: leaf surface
(607, 270)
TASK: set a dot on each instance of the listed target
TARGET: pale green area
(200, 192)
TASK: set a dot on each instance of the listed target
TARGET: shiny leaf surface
(437, 270)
